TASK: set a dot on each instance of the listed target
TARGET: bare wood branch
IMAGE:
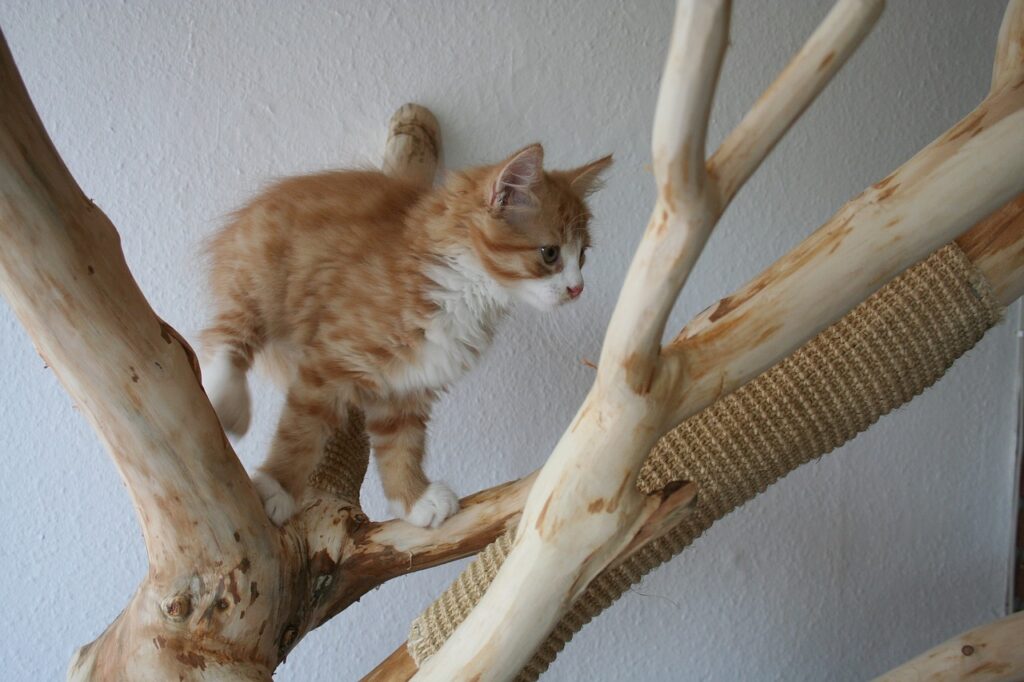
(995, 246)
(687, 204)
(803, 79)
(62, 271)
(990, 653)
(623, 414)
(395, 547)
(956, 181)
(398, 666)
(1008, 66)
(893, 224)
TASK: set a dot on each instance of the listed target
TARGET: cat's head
(532, 235)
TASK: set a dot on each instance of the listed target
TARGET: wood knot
(177, 607)
(287, 640)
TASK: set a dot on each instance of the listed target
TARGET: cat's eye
(549, 254)
(583, 256)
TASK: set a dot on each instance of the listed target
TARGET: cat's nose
(574, 292)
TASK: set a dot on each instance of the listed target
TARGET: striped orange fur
(365, 290)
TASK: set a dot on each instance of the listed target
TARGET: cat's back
(305, 243)
(345, 205)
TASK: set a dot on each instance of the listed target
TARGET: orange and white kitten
(370, 292)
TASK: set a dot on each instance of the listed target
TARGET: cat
(367, 291)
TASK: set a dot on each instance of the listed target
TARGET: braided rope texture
(346, 456)
(880, 355)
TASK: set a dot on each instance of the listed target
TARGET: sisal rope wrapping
(342, 468)
(880, 355)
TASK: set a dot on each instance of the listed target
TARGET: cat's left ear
(586, 179)
(514, 187)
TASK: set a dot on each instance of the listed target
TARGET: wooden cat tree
(659, 449)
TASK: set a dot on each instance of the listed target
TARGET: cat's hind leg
(228, 347)
(397, 431)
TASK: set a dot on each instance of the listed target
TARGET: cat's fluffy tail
(226, 386)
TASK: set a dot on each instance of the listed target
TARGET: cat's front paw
(279, 505)
(436, 504)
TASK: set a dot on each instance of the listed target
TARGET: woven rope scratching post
(346, 456)
(879, 356)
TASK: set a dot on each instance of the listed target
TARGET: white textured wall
(171, 113)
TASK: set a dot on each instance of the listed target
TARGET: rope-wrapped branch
(878, 357)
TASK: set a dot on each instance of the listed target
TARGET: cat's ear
(513, 188)
(586, 179)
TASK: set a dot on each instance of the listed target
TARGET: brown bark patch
(998, 232)
(887, 192)
(192, 659)
(990, 668)
(613, 503)
(668, 196)
(543, 513)
(639, 373)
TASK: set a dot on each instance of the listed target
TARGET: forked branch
(578, 517)
(564, 539)
(687, 205)
(62, 271)
(956, 181)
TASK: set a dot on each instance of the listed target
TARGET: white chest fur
(469, 306)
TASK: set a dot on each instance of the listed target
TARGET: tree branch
(803, 79)
(990, 653)
(1008, 66)
(62, 270)
(687, 205)
(396, 547)
(995, 245)
(559, 546)
(219, 572)
(575, 524)
(959, 179)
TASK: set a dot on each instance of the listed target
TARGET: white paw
(436, 504)
(278, 504)
(229, 392)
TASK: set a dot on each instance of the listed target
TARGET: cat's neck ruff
(469, 305)
(469, 302)
(459, 274)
